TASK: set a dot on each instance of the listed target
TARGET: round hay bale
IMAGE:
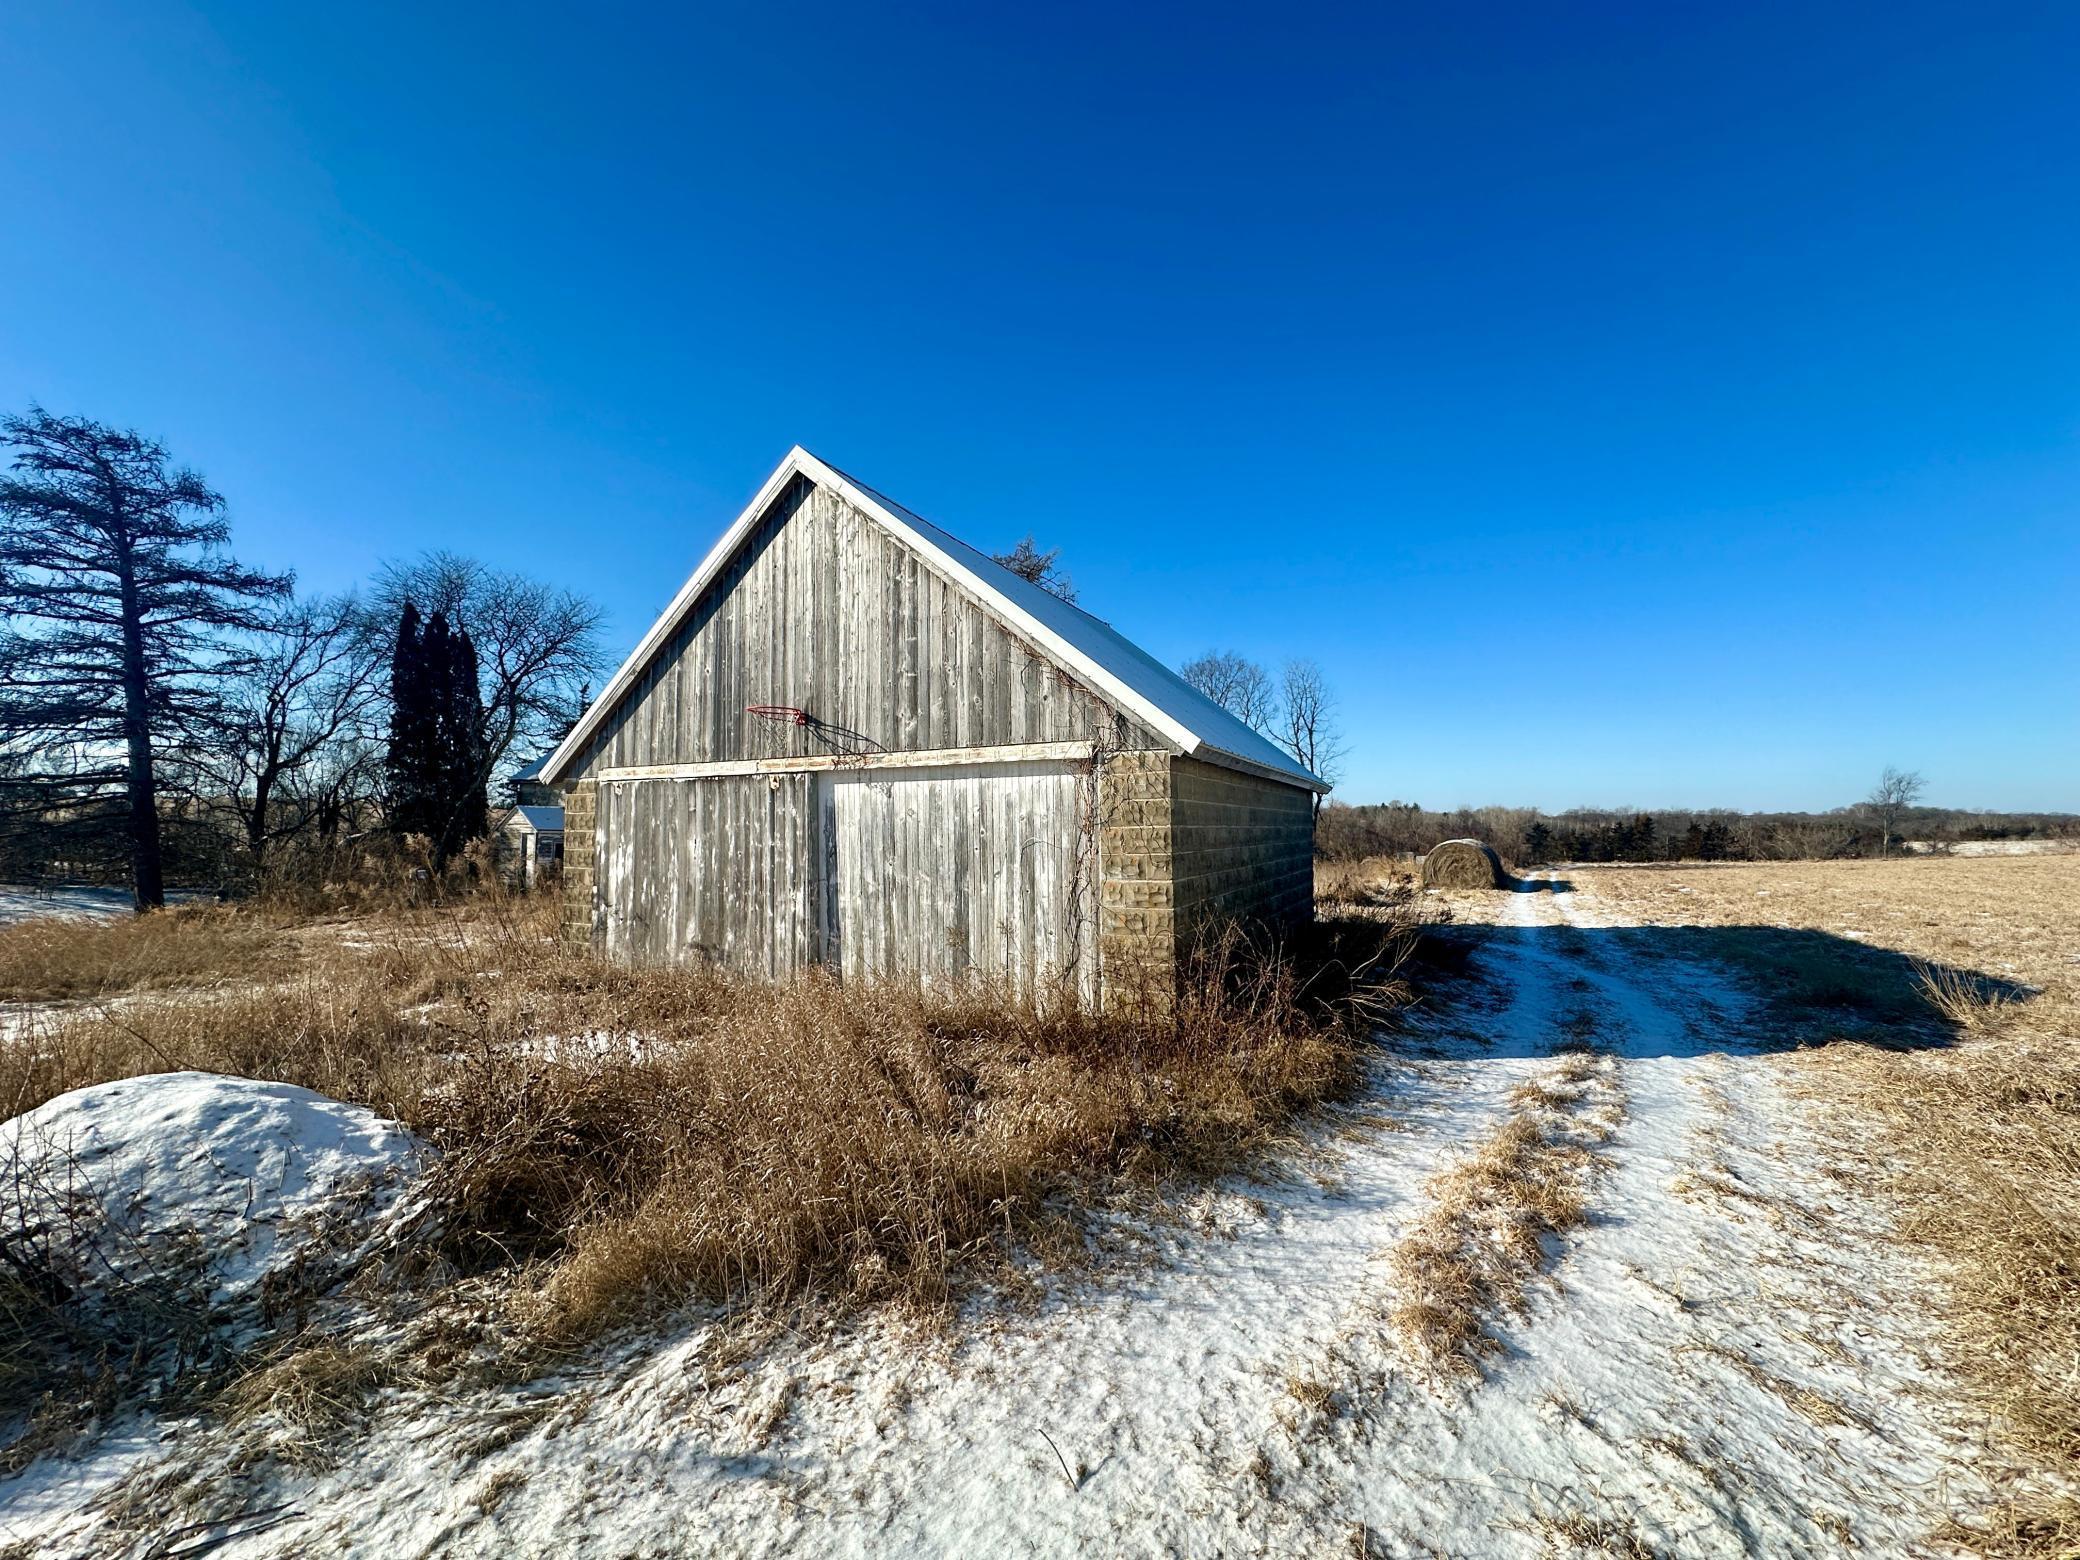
(1464, 864)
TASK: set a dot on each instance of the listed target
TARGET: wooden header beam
(816, 763)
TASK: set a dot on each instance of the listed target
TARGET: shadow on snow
(1686, 991)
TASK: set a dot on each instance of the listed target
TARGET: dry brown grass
(2041, 1529)
(495, 1490)
(53, 959)
(1967, 1002)
(1375, 880)
(618, 1136)
(1483, 1239)
(1817, 1406)
(1571, 1530)
(313, 1393)
(1980, 1137)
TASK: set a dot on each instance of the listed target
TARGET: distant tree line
(1528, 837)
(168, 713)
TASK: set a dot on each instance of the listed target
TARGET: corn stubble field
(1400, 1154)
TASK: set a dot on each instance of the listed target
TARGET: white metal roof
(1112, 664)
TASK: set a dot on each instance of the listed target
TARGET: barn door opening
(717, 870)
(959, 874)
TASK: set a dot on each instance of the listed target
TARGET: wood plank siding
(825, 611)
(719, 871)
(959, 806)
(952, 874)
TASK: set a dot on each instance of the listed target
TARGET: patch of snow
(232, 1163)
(1998, 847)
(23, 902)
(73, 901)
(592, 1045)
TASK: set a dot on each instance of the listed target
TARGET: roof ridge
(1127, 675)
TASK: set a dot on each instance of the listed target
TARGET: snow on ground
(190, 1183)
(1999, 847)
(24, 902)
(234, 1166)
(77, 901)
(1727, 1359)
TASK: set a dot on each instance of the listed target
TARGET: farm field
(1674, 1219)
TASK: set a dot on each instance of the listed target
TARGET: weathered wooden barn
(854, 741)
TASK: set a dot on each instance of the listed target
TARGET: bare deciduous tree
(1238, 685)
(301, 717)
(1312, 733)
(1029, 563)
(1896, 791)
(121, 612)
(1298, 713)
(536, 646)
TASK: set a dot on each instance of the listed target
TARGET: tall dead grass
(58, 958)
(1491, 1215)
(620, 1136)
(1984, 1154)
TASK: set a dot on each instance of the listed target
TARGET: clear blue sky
(1656, 405)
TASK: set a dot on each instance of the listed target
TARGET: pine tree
(118, 605)
(1718, 841)
(1618, 842)
(1538, 843)
(1643, 842)
(1692, 848)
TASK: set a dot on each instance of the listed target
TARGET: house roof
(532, 772)
(543, 820)
(1110, 662)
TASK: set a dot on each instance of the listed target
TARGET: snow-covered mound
(235, 1172)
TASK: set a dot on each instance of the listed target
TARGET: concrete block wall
(1137, 938)
(1242, 850)
(1186, 847)
(580, 836)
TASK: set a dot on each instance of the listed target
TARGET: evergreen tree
(119, 611)
(439, 756)
(466, 811)
(412, 764)
(1617, 842)
(1644, 847)
(1718, 841)
(1692, 848)
(1538, 843)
